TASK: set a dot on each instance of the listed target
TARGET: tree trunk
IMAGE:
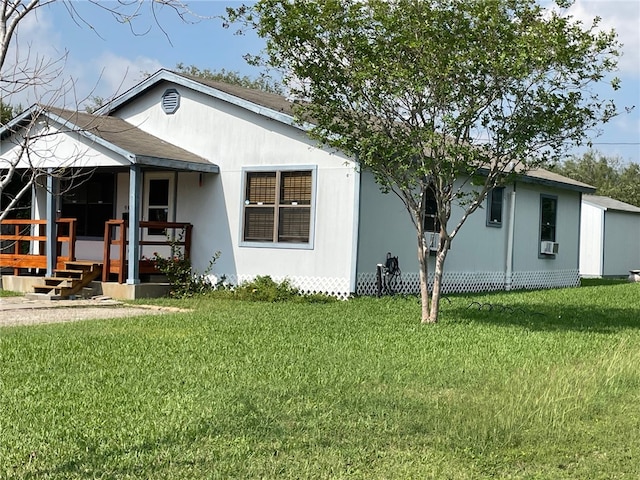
(437, 281)
(423, 259)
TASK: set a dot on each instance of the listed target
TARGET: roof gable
(262, 103)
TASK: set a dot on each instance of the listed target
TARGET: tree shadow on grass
(545, 316)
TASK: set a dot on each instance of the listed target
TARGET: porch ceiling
(129, 141)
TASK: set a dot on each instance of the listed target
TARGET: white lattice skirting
(337, 287)
(466, 282)
(453, 282)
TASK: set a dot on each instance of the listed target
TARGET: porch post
(133, 249)
(51, 215)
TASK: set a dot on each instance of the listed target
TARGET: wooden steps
(70, 280)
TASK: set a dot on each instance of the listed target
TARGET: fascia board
(9, 128)
(176, 164)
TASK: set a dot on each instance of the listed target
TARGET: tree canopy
(611, 177)
(430, 95)
(227, 76)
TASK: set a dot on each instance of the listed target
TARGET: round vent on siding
(170, 100)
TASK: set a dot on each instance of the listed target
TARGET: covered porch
(27, 265)
(116, 176)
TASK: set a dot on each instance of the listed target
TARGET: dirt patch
(16, 311)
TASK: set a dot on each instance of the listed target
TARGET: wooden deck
(115, 234)
(23, 245)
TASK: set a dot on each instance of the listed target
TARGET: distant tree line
(610, 175)
(263, 82)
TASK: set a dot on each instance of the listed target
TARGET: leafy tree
(6, 113)
(430, 95)
(93, 103)
(261, 83)
(609, 175)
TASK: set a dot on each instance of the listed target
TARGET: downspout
(355, 232)
(603, 229)
(508, 276)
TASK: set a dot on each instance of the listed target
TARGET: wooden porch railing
(115, 234)
(23, 244)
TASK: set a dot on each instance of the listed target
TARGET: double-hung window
(277, 206)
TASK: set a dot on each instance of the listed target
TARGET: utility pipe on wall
(510, 239)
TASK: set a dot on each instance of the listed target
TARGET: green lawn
(533, 385)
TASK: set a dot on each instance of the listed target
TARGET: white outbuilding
(609, 237)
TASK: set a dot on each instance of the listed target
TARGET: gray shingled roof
(140, 145)
(281, 108)
(281, 104)
(273, 101)
(608, 203)
(540, 175)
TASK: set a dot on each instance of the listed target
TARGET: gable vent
(170, 101)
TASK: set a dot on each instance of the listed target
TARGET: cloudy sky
(102, 57)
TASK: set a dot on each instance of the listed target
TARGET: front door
(158, 204)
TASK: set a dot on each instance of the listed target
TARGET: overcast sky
(104, 57)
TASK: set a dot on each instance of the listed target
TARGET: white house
(234, 164)
(609, 237)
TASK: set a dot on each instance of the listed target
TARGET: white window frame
(312, 213)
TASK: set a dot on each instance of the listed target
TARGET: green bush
(184, 280)
(265, 289)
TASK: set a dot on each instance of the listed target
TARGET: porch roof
(126, 140)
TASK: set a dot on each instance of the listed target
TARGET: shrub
(184, 281)
(265, 289)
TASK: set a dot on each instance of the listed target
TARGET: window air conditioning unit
(433, 240)
(549, 248)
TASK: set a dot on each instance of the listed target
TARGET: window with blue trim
(548, 218)
(277, 206)
(495, 201)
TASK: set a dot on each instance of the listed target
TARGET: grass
(9, 293)
(524, 385)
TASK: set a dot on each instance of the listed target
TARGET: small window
(170, 101)
(495, 200)
(277, 206)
